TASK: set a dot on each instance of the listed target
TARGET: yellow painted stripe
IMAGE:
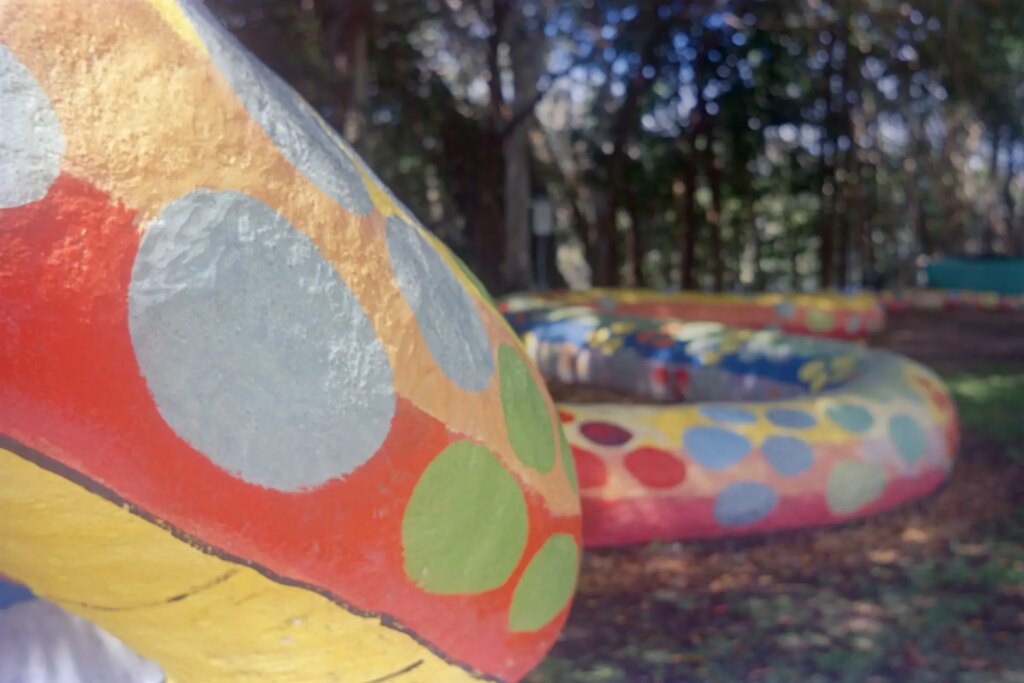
(173, 15)
(128, 575)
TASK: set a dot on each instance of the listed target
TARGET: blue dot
(852, 324)
(728, 414)
(786, 311)
(909, 438)
(851, 418)
(13, 593)
(787, 454)
(792, 419)
(744, 503)
(715, 448)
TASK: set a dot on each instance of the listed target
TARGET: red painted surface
(71, 389)
(605, 433)
(590, 469)
(656, 468)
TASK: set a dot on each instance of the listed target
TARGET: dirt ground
(931, 592)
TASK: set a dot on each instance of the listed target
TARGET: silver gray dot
(31, 140)
(445, 311)
(254, 349)
(284, 116)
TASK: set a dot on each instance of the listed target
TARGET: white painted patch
(255, 350)
(31, 140)
(41, 643)
(445, 311)
(284, 116)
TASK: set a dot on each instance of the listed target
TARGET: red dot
(655, 468)
(659, 375)
(605, 433)
(590, 469)
(564, 416)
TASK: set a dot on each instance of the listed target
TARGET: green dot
(908, 437)
(567, 462)
(852, 484)
(820, 321)
(850, 417)
(465, 527)
(547, 584)
(526, 414)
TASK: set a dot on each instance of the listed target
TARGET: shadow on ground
(930, 592)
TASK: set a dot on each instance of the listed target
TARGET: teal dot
(745, 503)
(851, 417)
(786, 311)
(787, 455)
(852, 484)
(715, 448)
(820, 321)
(791, 419)
(908, 437)
(728, 414)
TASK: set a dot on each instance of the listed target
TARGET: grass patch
(991, 401)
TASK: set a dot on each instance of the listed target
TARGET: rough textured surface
(283, 115)
(229, 362)
(445, 311)
(253, 347)
(31, 141)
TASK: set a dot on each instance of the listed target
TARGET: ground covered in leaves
(931, 592)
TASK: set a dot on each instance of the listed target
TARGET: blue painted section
(715, 448)
(650, 340)
(790, 419)
(787, 455)
(13, 593)
(745, 503)
(728, 414)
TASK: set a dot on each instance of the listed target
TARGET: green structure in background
(993, 274)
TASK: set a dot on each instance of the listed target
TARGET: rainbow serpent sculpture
(254, 420)
(736, 431)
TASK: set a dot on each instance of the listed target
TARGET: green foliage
(816, 140)
(991, 401)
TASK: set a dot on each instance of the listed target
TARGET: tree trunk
(635, 246)
(1009, 203)
(486, 226)
(827, 170)
(528, 59)
(347, 36)
(826, 230)
(714, 214)
(688, 223)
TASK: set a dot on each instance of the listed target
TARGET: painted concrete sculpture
(254, 421)
(947, 299)
(778, 431)
(841, 316)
